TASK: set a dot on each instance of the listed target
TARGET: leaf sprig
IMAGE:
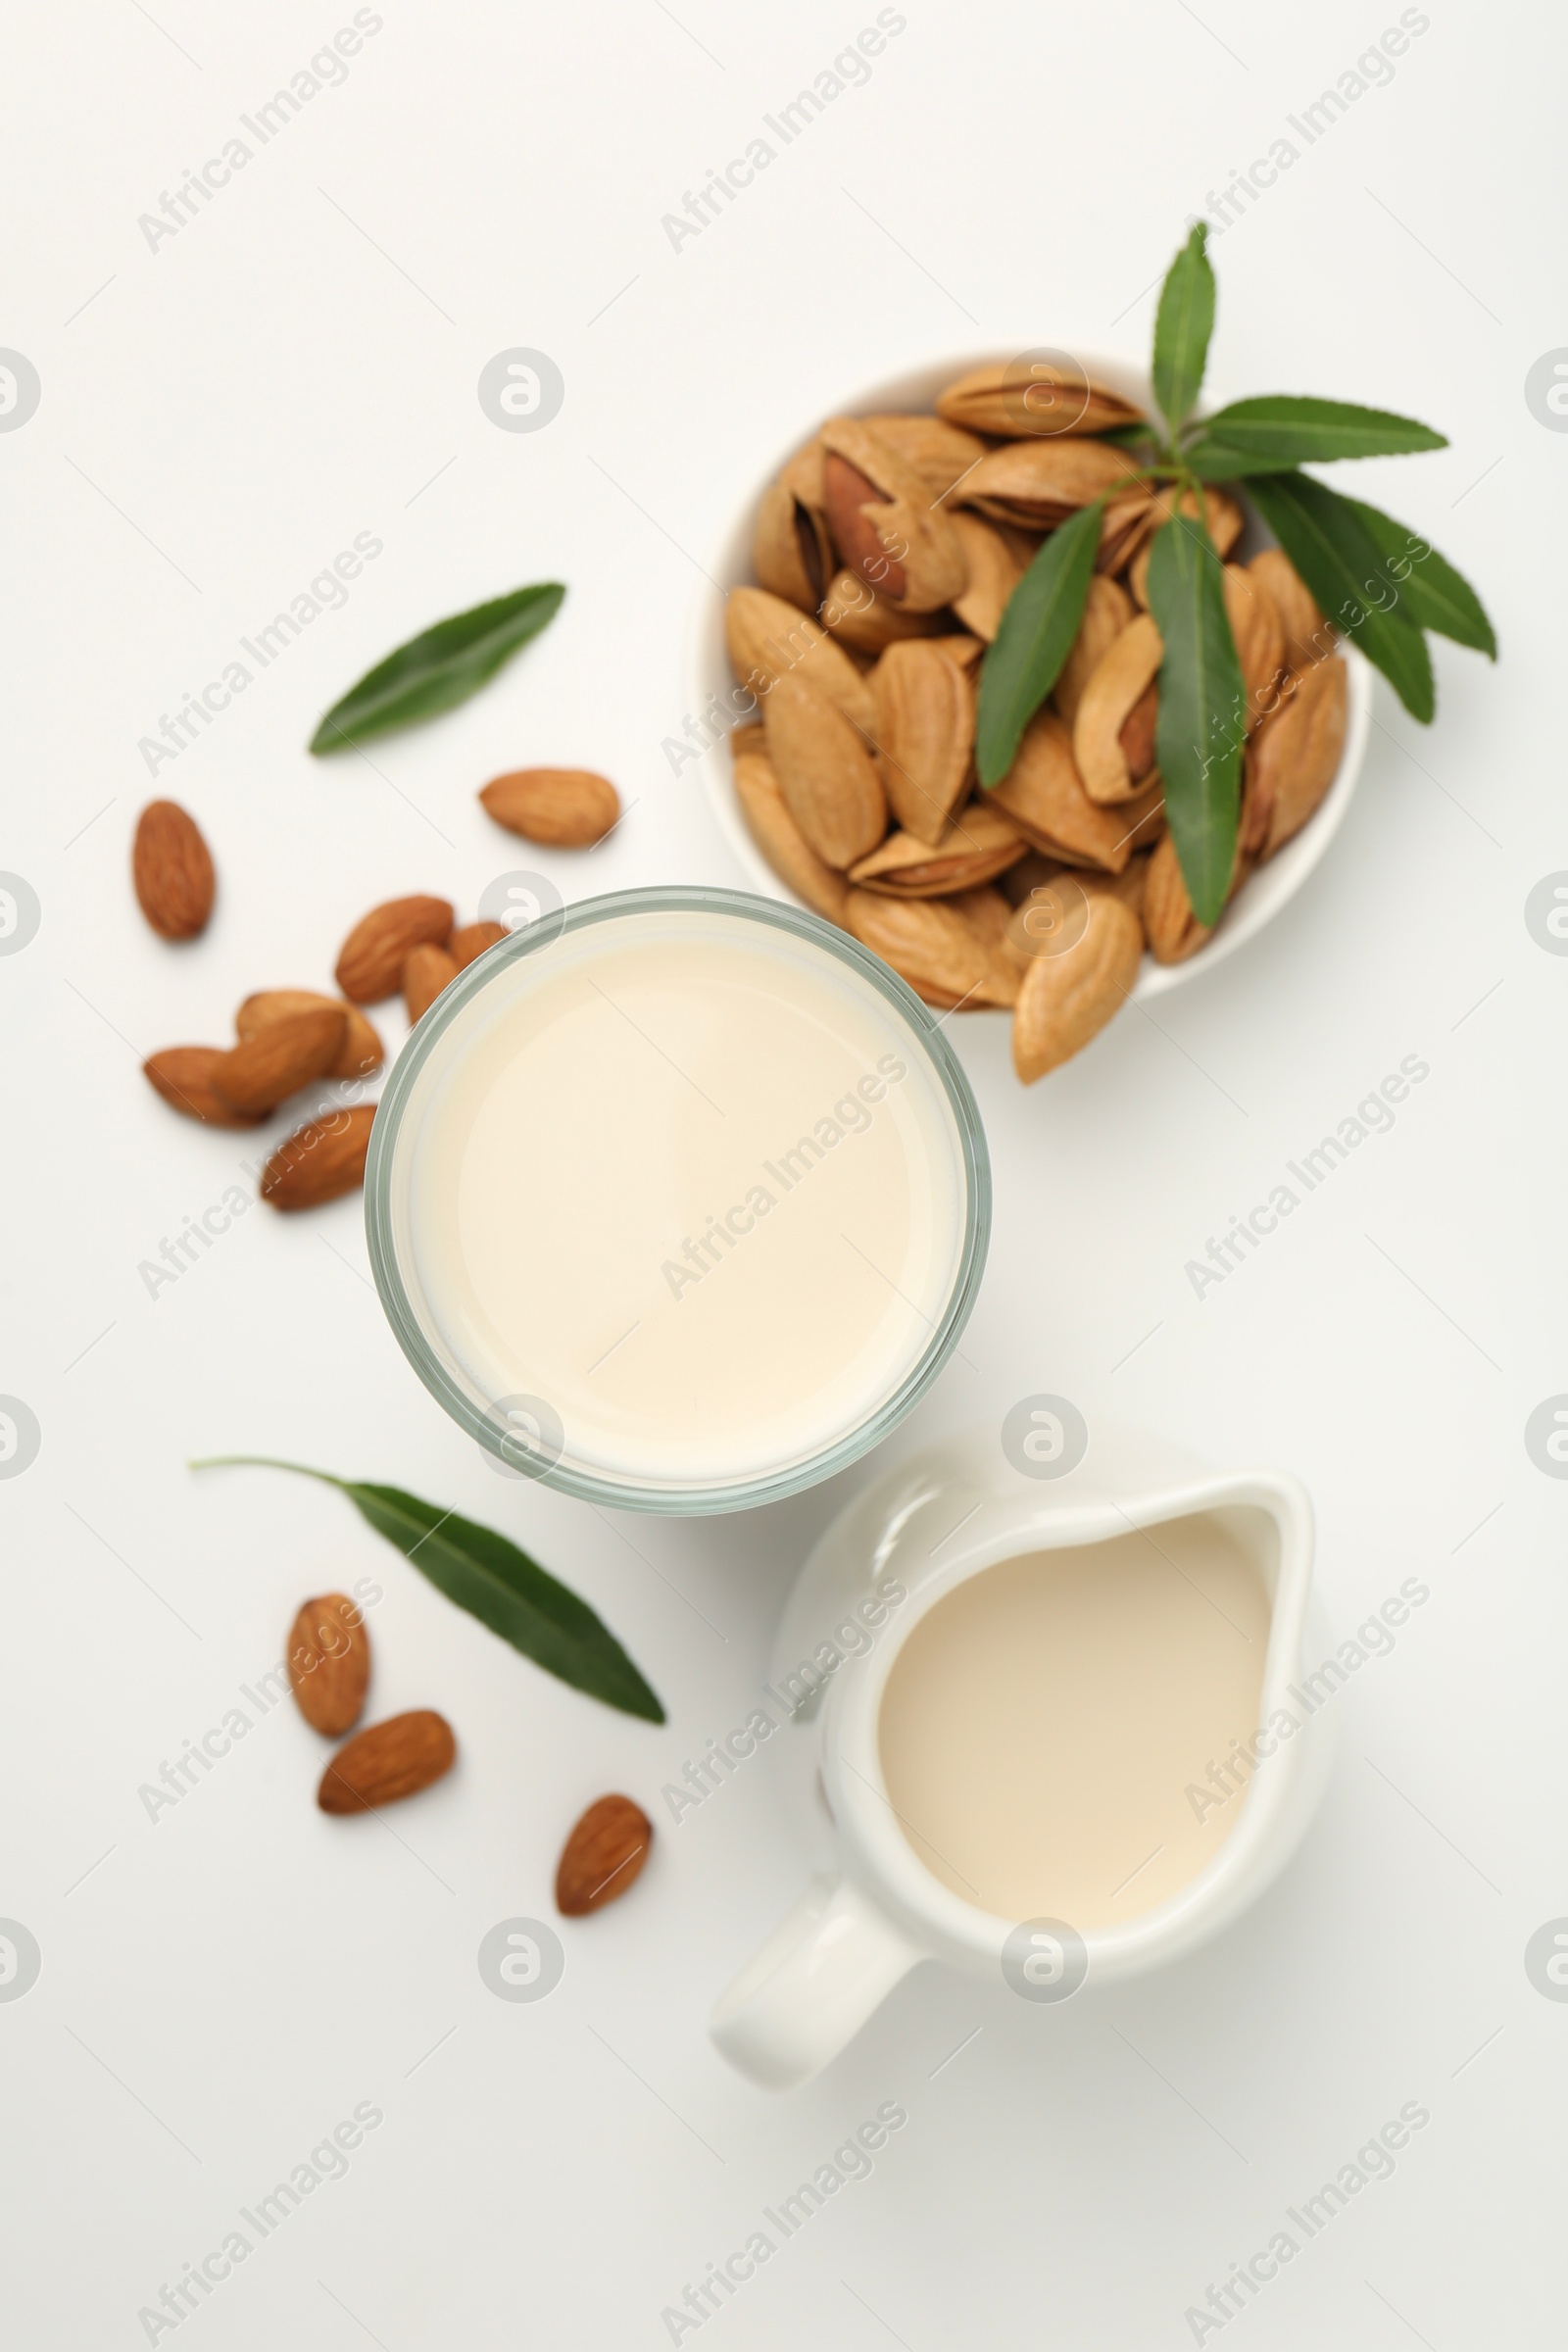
(1378, 582)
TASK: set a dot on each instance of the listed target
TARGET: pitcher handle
(811, 1987)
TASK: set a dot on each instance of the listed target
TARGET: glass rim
(534, 938)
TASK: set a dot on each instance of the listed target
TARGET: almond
(824, 771)
(1040, 483)
(1066, 999)
(1173, 930)
(1043, 795)
(1106, 612)
(781, 841)
(604, 1854)
(994, 573)
(883, 521)
(425, 973)
(465, 947)
(171, 869)
(1116, 694)
(940, 452)
(925, 718)
(265, 1068)
(859, 617)
(1294, 756)
(565, 807)
(362, 1050)
(790, 552)
(329, 1662)
(1031, 395)
(369, 966)
(978, 845)
(183, 1076)
(319, 1161)
(1307, 635)
(391, 1760)
(1258, 633)
(935, 951)
(768, 639)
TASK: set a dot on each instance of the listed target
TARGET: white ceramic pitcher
(873, 1910)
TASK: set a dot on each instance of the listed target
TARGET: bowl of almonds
(871, 593)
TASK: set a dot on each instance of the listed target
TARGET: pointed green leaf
(1282, 429)
(1037, 630)
(439, 668)
(1183, 324)
(487, 1575)
(1202, 724)
(1435, 596)
(1337, 558)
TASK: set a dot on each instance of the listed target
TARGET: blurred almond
(883, 523)
(319, 1161)
(391, 1760)
(940, 452)
(1033, 395)
(1224, 528)
(1307, 635)
(171, 869)
(328, 1660)
(994, 573)
(1294, 756)
(1259, 636)
(427, 971)
(361, 1050)
(978, 845)
(183, 1076)
(1172, 929)
(1040, 483)
(1115, 690)
(603, 1856)
(926, 944)
(925, 718)
(564, 808)
(830, 785)
(369, 964)
(1043, 795)
(860, 619)
(1066, 999)
(768, 639)
(781, 841)
(280, 1057)
(474, 940)
(792, 555)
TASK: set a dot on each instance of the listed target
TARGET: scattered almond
(389, 1761)
(171, 869)
(275, 1060)
(319, 1161)
(604, 1854)
(425, 973)
(329, 1662)
(361, 1050)
(565, 807)
(468, 942)
(369, 966)
(183, 1076)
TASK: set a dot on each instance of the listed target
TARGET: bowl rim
(381, 1203)
(707, 680)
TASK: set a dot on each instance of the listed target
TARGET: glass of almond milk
(677, 1199)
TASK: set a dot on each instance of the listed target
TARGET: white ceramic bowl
(708, 674)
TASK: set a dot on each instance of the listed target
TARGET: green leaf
(1435, 596)
(487, 1575)
(1339, 561)
(1202, 720)
(1036, 633)
(1262, 436)
(1183, 324)
(439, 668)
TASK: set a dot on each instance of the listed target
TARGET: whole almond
(768, 639)
(329, 1662)
(1260, 637)
(265, 1068)
(425, 973)
(565, 807)
(824, 771)
(781, 841)
(994, 573)
(1294, 756)
(604, 1854)
(884, 522)
(171, 869)
(925, 715)
(1172, 929)
(1040, 483)
(319, 1161)
(791, 554)
(980, 844)
(183, 1076)
(1066, 999)
(1307, 635)
(1031, 395)
(470, 942)
(940, 452)
(928, 946)
(1117, 690)
(369, 964)
(391, 1760)
(361, 1050)
(1043, 795)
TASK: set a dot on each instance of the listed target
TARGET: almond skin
(565, 807)
(183, 1076)
(281, 1057)
(362, 1051)
(391, 1760)
(370, 963)
(330, 1663)
(319, 1161)
(425, 973)
(604, 1854)
(171, 869)
(470, 942)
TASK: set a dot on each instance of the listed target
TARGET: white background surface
(222, 416)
